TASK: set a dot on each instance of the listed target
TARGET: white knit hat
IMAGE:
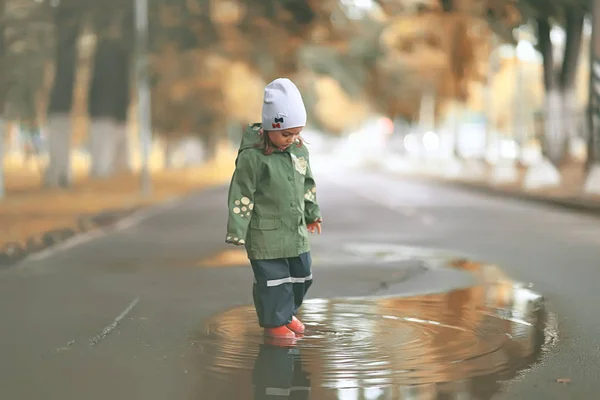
(283, 107)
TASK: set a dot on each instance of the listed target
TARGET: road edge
(131, 220)
(576, 205)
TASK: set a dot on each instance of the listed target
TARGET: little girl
(272, 207)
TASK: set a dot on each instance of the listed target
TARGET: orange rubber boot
(281, 332)
(296, 326)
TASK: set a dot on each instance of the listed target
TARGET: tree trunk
(574, 30)
(593, 110)
(58, 171)
(108, 106)
(559, 113)
(109, 148)
(592, 183)
(572, 118)
(554, 145)
(122, 156)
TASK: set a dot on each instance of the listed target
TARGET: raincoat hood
(251, 137)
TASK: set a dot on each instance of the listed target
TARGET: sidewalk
(34, 218)
(569, 194)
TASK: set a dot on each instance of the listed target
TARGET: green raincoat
(271, 199)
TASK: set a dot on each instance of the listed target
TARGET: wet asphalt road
(116, 317)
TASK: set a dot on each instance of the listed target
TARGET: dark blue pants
(278, 375)
(279, 288)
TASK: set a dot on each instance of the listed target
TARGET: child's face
(285, 138)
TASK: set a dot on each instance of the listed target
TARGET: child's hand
(314, 226)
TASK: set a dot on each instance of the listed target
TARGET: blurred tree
(393, 55)
(559, 81)
(202, 46)
(211, 57)
(25, 47)
(27, 36)
(186, 96)
(67, 23)
(109, 91)
(560, 103)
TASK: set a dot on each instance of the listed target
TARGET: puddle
(386, 252)
(461, 343)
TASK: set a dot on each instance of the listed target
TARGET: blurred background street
(455, 145)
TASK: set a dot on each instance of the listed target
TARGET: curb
(86, 228)
(573, 204)
(14, 252)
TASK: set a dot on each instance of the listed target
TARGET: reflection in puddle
(461, 343)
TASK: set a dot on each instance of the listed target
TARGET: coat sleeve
(312, 213)
(240, 200)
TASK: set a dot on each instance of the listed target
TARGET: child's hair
(267, 146)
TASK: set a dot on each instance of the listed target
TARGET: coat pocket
(265, 234)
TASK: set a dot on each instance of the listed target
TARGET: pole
(518, 113)
(427, 110)
(594, 90)
(2, 135)
(143, 89)
(489, 100)
(456, 124)
(521, 104)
